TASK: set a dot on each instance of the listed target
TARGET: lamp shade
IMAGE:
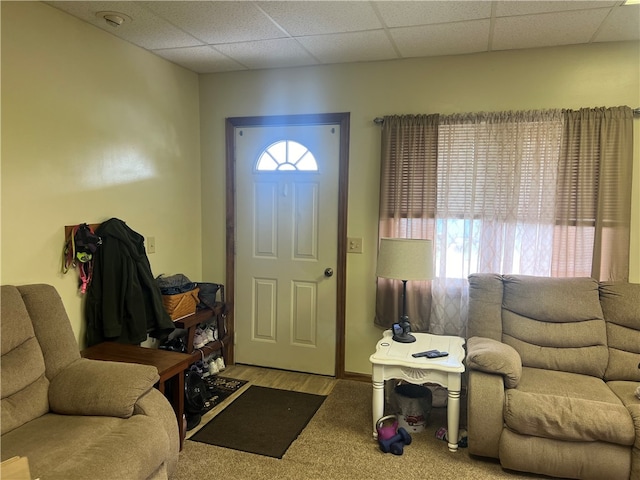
(405, 259)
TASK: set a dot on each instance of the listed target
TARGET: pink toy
(387, 427)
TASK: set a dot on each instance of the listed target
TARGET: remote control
(424, 354)
(437, 354)
(430, 354)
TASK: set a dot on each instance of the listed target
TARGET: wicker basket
(181, 304)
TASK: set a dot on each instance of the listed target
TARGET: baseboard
(358, 377)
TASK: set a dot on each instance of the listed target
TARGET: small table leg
(178, 404)
(378, 404)
(453, 419)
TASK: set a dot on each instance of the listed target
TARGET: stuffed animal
(638, 392)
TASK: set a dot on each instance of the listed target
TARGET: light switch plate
(151, 244)
(354, 244)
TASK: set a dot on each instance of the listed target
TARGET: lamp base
(404, 338)
(401, 330)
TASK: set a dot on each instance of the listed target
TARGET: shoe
(197, 368)
(176, 344)
(213, 367)
(199, 338)
(193, 420)
(208, 330)
(202, 368)
(220, 363)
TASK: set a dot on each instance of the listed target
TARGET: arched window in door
(286, 155)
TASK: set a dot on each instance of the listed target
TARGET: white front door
(286, 246)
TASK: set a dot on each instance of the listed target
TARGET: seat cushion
(567, 406)
(70, 446)
(626, 393)
(557, 458)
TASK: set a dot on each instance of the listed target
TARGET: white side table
(393, 360)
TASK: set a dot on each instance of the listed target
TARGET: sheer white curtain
(495, 211)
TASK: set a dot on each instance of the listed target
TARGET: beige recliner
(553, 366)
(75, 418)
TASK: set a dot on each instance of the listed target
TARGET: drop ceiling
(221, 36)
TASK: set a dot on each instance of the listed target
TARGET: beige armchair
(71, 417)
(553, 366)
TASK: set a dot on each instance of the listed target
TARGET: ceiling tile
(512, 8)
(316, 18)
(284, 52)
(399, 14)
(200, 59)
(296, 32)
(442, 39)
(350, 47)
(623, 23)
(217, 22)
(146, 29)
(547, 30)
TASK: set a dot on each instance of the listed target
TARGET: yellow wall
(565, 77)
(92, 128)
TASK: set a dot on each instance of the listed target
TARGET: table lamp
(405, 259)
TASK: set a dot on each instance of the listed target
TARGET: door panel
(264, 315)
(265, 228)
(306, 222)
(285, 307)
(304, 314)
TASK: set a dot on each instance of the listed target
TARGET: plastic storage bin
(414, 406)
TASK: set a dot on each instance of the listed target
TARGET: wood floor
(272, 378)
(282, 379)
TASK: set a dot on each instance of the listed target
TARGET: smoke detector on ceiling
(113, 19)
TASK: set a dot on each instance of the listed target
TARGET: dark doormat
(261, 420)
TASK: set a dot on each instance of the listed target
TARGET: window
(496, 193)
(544, 193)
(286, 155)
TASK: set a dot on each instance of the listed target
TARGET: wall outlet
(151, 244)
(354, 244)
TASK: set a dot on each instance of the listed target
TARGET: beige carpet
(337, 444)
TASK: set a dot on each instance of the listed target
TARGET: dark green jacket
(123, 302)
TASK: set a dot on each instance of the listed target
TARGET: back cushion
(24, 384)
(621, 308)
(485, 306)
(555, 323)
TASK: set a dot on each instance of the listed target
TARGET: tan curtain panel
(407, 207)
(594, 194)
(533, 193)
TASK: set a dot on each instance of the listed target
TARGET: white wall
(565, 77)
(92, 128)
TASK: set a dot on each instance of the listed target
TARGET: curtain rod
(380, 120)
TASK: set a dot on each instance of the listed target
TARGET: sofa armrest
(95, 387)
(491, 356)
(153, 404)
(485, 407)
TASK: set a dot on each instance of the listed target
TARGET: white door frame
(341, 119)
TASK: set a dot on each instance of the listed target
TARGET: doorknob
(328, 272)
